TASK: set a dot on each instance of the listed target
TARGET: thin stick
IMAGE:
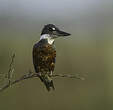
(11, 69)
(33, 75)
(30, 75)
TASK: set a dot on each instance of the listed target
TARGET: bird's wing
(36, 57)
(44, 57)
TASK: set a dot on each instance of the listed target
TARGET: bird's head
(51, 32)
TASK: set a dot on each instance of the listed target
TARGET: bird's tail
(47, 81)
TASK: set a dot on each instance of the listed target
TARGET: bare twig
(77, 76)
(30, 75)
(33, 75)
(11, 68)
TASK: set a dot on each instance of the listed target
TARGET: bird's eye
(51, 29)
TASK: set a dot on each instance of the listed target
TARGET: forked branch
(30, 75)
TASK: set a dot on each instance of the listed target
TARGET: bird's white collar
(48, 37)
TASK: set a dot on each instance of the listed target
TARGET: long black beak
(62, 33)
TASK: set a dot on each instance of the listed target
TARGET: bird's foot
(51, 73)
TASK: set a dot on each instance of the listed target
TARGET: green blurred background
(88, 50)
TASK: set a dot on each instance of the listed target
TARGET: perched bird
(44, 54)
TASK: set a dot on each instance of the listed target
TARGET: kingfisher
(44, 54)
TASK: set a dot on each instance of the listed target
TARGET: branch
(36, 75)
(31, 75)
(11, 68)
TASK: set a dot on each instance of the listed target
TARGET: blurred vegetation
(89, 50)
